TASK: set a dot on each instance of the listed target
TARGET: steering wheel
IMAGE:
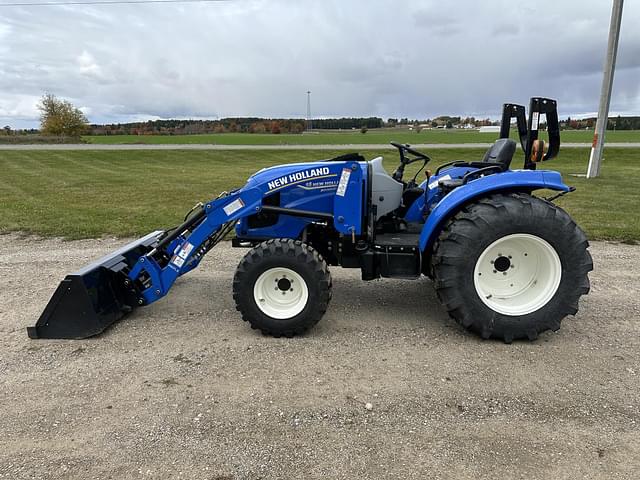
(407, 148)
(402, 148)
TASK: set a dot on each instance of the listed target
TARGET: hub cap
(517, 274)
(280, 293)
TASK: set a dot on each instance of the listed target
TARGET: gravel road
(184, 389)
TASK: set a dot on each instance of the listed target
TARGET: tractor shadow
(385, 303)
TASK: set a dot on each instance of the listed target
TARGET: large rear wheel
(511, 266)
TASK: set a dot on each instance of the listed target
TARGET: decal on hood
(297, 177)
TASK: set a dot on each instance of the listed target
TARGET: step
(398, 240)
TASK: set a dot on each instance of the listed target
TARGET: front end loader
(505, 263)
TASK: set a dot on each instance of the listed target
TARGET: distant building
(490, 129)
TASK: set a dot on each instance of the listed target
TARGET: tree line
(59, 118)
(613, 123)
(234, 125)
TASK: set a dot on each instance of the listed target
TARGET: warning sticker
(186, 250)
(178, 261)
(233, 206)
(535, 119)
(344, 180)
(434, 184)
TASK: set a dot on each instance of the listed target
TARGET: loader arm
(186, 251)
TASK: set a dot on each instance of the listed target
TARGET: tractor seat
(501, 152)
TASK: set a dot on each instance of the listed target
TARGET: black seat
(501, 152)
(498, 156)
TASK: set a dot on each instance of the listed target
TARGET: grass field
(80, 194)
(340, 138)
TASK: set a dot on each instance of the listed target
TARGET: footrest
(398, 240)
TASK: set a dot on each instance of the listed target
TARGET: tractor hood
(276, 178)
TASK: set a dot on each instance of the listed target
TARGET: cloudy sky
(398, 58)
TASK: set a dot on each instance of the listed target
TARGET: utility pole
(605, 95)
(309, 111)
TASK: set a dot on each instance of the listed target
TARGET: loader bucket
(93, 298)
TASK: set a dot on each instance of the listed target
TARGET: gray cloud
(258, 57)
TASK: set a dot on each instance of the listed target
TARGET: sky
(387, 58)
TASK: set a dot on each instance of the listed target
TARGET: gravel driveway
(184, 389)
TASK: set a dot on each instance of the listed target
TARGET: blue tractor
(505, 264)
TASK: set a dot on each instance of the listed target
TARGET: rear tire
(511, 266)
(282, 287)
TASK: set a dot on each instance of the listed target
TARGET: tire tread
(302, 253)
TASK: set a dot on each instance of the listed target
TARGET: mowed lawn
(382, 136)
(81, 194)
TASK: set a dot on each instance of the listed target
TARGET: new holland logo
(297, 177)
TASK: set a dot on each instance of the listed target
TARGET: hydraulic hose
(186, 225)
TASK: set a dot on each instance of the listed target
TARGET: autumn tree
(60, 117)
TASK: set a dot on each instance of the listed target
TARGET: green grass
(81, 194)
(382, 136)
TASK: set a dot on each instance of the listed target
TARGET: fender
(510, 181)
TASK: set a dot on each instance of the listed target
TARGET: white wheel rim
(280, 293)
(517, 274)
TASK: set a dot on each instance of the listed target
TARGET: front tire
(282, 287)
(511, 266)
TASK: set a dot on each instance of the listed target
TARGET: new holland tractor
(505, 263)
